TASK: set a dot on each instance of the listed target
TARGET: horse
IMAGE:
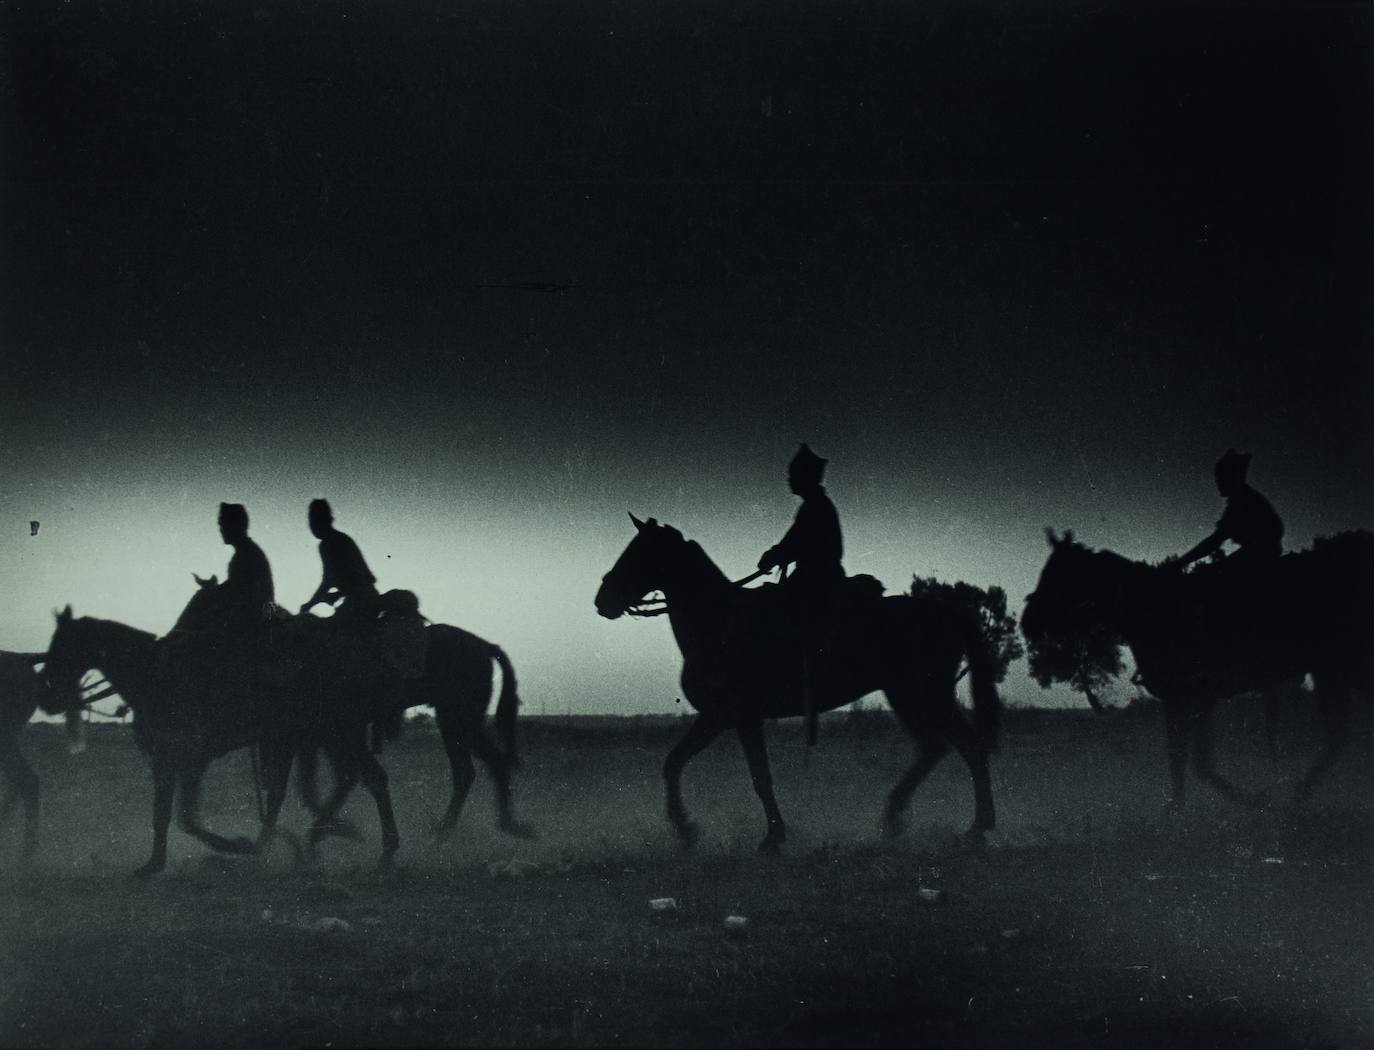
(457, 682)
(21, 687)
(191, 705)
(1202, 637)
(739, 667)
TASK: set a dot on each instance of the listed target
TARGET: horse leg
(327, 821)
(188, 818)
(274, 764)
(374, 778)
(756, 753)
(460, 769)
(499, 765)
(164, 785)
(700, 733)
(975, 755)
(1176, 737)
(931, 748)
(307, 778)
(23, 784)
(1334, 705)
(1204, 766)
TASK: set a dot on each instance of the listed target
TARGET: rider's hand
(305, 608)
(769, 559)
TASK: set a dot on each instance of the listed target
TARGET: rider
(814, 546)
(1249, 520)
(242, 604)
(347, 579)
(346, 575)
(247, 590)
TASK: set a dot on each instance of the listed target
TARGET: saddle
(401, 633)
(396, 632)
(802, 625)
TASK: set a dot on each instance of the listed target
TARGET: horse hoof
(441, 831)
(771, 846)
(687, 834)
(148, 870)
(519, 829)
(893, 828)
(242, 844)
(976, 836)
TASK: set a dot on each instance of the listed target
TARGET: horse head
(1068, 622)
(64, 666)
(1061, 586)
(640, 569)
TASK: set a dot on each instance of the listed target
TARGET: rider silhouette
(242, 604)
(247, 592)
(346, 576)
(814, 545)
(1249, 520)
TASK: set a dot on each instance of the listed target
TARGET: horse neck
(694, 590)
(1125, 590)
(123, 654)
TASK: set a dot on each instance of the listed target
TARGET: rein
(651, 606)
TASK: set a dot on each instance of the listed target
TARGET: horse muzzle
(608, 604)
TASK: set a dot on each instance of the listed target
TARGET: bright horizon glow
(512, 576)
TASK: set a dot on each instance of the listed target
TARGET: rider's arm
(322, 592)
(786, 550)
(1206, 547)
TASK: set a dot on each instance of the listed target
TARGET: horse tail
(987, 702)
(506, 706)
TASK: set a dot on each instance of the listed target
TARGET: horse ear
(1068, 535)
(65, 615)
(1054, 540)
(639, 525)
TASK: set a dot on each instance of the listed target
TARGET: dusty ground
(1091, 919)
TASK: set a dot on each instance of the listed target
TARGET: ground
(1090, 919)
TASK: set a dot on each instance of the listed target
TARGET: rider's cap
(319, 508)
(806, 464)
(1233, 465)
(233, 514)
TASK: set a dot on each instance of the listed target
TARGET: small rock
(663, 904)
(1011, 933)
(331, 924)
(266, 914)
(736, 925)
(929, 895)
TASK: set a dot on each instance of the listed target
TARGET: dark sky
(488, 275)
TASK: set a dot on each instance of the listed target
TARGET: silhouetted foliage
(989, 606)
(1086, 658)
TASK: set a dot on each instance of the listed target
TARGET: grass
(1091, 921)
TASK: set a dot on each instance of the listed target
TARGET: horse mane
(697, 551)
(132, 634)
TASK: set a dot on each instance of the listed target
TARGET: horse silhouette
(457, 682)
(738, 661)
(1197, 641)
(21, 688)
(191, 706)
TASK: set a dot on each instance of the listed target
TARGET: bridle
(654, 604)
